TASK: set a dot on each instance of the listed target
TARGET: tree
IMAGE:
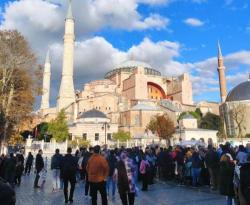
(19, 82)
(238, 114)
(197, 114)
(58, 127)
(42, 131)
(221, 134)
(122, 136)
(210, 121)
(79, 143)
(163, 126)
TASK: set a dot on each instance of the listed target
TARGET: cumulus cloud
(42, 21)
(205, 76)
(194, 22)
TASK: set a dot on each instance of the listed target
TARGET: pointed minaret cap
(47, 57)
(219, 50)
(70, 14)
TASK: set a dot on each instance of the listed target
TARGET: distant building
(188, 131)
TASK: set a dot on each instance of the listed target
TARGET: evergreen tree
(58, 127)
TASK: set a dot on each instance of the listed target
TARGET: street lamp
(105, 126)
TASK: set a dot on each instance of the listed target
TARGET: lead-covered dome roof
(93, 114)
(240, 93)
(130, 66)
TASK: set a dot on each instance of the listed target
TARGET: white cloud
(88, 66)
(193, 22)
(42, 21)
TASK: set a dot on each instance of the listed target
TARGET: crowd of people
(108, 171)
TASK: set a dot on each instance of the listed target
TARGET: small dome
(132, 63)
(93, 114)
(240, 93)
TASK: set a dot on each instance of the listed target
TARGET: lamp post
(105, 126)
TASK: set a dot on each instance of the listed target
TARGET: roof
(240, 93)
(132, 63)
(147, 107)
(93, 114)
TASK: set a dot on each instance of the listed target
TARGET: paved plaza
(158, 194)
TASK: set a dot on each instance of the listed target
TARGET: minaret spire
(219, 51)
(46, 83)
(222, 77)
(70, 13)
(66, 94)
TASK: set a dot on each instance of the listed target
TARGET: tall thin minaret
(67, 94)
(46, 83)
(222, 77)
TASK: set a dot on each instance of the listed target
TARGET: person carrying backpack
(68, 173)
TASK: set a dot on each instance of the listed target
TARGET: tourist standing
(56, 161)
(212, 162)
(85, 160)
(242, 155)
(196, 167)
(29, 163)
(98, 171)
(144, 169)
(19, 168)
(226, 176)
(39, 166)
(126, 179)
(10, 170)
(111, 181)
(68, 173)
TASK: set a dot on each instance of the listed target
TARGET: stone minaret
(222, 77)
(67, 94)
(46, 83)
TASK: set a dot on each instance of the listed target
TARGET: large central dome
(132, 63)
(240, 93)
(130, 66)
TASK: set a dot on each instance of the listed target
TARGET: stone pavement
(158, 194)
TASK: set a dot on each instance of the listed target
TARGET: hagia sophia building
(126, 99)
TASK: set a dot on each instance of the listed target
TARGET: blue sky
(121, 28)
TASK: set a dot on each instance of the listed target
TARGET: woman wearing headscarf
(126, 179)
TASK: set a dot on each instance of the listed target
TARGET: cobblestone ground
(158, 194)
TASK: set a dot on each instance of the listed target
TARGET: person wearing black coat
(7, 194)
(68, 173)
(10, 169)
(56, 162)
(226, 176)
(39, 167)
(19, 168)
(29, 163)
(212, 162)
